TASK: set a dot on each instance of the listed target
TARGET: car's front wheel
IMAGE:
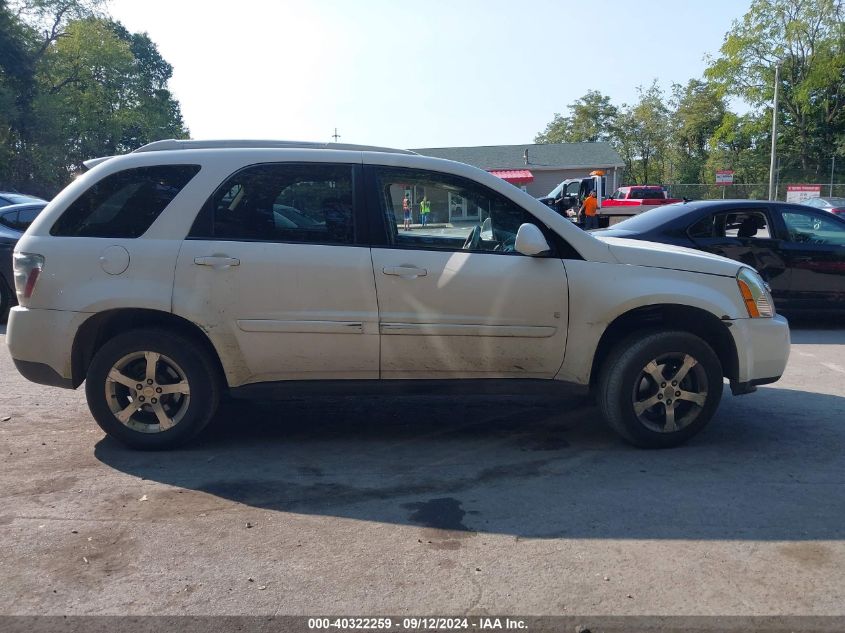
(659, 389)
(152, 389)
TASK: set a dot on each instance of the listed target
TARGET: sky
(432, 73)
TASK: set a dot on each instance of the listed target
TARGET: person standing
(406, 209)
(425, 209)
(588, 208)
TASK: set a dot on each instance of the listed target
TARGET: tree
(741, 143)
(591, 119)
(74, 85)
(642, 133)
(807, 39)
(698, 111)
(34, 26)
(154, 114)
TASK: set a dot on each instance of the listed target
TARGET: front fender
(599, 293)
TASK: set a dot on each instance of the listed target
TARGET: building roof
(540, 156)
(514, 176)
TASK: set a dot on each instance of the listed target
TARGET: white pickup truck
(167, 276)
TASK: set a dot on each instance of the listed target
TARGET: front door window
(462, 215)
(810, 227)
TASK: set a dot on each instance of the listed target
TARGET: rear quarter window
(124, 204)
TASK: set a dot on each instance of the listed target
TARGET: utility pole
(335, 136)
(773, 162)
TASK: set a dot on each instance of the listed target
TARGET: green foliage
(75, 86)
(642, 136)
(687, 137)
(698, 110)
(742, 144)
(590, 119)
(807, 39)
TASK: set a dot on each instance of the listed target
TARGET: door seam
(378, 310)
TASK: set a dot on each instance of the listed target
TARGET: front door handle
(406, 272)
(217, 261)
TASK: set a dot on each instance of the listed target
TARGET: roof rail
(171, 144)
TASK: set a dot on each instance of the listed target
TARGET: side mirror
(530, 241)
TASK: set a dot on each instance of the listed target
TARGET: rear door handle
(217, 261)
(406, 272)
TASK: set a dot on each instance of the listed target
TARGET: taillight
(28, 267)
(838, 211)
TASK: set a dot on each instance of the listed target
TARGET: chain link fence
(752, 191)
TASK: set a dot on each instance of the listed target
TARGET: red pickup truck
(639, 196)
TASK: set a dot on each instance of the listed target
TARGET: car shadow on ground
(769, 467)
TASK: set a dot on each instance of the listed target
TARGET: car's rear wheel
(152, 389)
(659, 389)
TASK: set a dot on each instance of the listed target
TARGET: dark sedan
(14, 220)
(800, 251)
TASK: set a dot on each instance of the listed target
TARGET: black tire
(627, 385)
(6, 300)
(182, 360)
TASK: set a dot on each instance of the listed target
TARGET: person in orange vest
(588, 208)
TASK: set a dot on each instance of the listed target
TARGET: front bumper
(762, 349)
(41, 342)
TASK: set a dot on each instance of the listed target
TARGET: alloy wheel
(670, 392)
(147, 392)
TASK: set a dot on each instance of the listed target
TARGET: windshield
(16, 198)
(554, 193)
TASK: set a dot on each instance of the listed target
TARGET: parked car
(832, 205)
(14, 220)
(11, 197)
(799, 251)
(164, 277)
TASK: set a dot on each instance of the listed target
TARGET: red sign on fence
(799, 193)
(724, 177)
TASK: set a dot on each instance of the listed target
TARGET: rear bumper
(763, 349)
(42, 374)
(41, 342)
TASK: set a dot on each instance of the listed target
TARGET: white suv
(164, 277)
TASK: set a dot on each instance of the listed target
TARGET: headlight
(755, 294)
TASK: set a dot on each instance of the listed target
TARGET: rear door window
(736, 224)
(124, 204)
(296, 203)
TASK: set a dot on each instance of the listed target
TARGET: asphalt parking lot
(431, 504)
